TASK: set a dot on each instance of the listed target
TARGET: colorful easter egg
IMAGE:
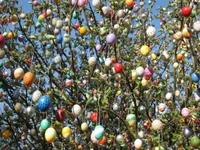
(59, 39)
(111, 38)
(36, 95)
(133, 74)
(82, 30)
(162, 107)
(60, 115)
(120, 139)
(50, 135)
(138, 143)
(195, 142)
(18, 107)
(81, 3)
(156, 124)
(118, 67)
(41, 18)
(2, 40)
(66, 132)
(19, 73)
(45, 124)
(98, 47)
(185, 112)
(131, 119)
(195, 77)
(103, 141)
(93, 139)
(145, 50)
(28, 78)
(196, 26)
(168, 96)
(139, 71)
(76, 110)
(186, 11)
(99, 132)
(94, 116)
(6, 134)
(44, 103)
(148, 71)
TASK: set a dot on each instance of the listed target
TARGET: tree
(97, 74)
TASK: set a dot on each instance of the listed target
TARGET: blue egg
(195, 77)
(99, 132)
(101, 60)
(59, 39)
(38, 24)
(86, 46)
(48, 46)
(44, 103)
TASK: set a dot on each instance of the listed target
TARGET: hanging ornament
(195, 142)
(84, 126)
(138, 143)
(118, 67)
(186, 11)
(2, 40)
(187, 132)
(60, 115)
(139, 71)
(145, 50)
(19, 73)
(96, 3)
(195, 77)
(30, 111)
(131, 119)
(185, 112)
(18, 107)
(44, 103)
(111, 38)
(45, 124)
(156, 124)
(50, 135)
(151, 31)
(28, 78)
(92, 61)
(76, 110)
(93, 139)
(99, 132)
(36, 95)
(120, 139)
(66, 132)
(196, 26)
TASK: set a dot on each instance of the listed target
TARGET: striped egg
(50, 135)
(19, 73)
(131, 119)
(99, 132)
(66, 132)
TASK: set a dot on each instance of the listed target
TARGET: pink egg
(81, 3)
(98, 47)
(148, 71)
(84, 82)
(185, 112)
(56, 31)
(74, 2)
(2, 41)
(68, 82)
(35, 3)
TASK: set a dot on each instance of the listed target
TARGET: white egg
(168, 96)
(57, 59)
(196, 26)
(120, 13)
(156, 124)
(76, 110)
(115, 106)
(106, 10)
(139, 71)
(141, 134)
(30, 111)
(92, 61)
(96, 3)
(36, 95)
(93, 139)
(84, 126)
(138, 143)
(151, 31)
(108, 62)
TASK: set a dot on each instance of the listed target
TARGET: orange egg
(28, 78)
(103, 141)
(130, 3)
(6, 134)
(179, 56)
(10, 35)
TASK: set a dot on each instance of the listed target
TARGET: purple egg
(148, 71)
(98, 47)
(21, 38)
(111, 38)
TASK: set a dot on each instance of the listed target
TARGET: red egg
(68, 82)
(60, 115)
(76, 26)
(118, 67)
(2, 41)
(186, 11)
(94, 116)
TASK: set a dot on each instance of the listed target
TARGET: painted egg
(111, 38)
(76, 110)
(138, 143)
(98, 47)
(187, 132)
(44, 103)
(196, 26)
(118, 68)
(81, 3)
(133, 74)
(68, 82)
(59, 24)
(84, 126)
(151, 31)
(156, 124)
(162, 107)
(178, 35)
(139, 71)
(166, 55)
(73, 2)
(195, 77)
(177, 93)
(116, 26)
(54, 20)
(145, 50)
(41, 18)
(197, 96)
(30, 111)
(59, 39)
(131, 119)
(6, 134)
(28, 78)
(108, 62)
(49, 12)
(2, 40)
(36, 95)
(96, 3)
(103, 31)
(175, 65)
(57, 59)
(186, 11)
(2, 53)
(106, 10)
(185, 112)
(93, 139)
(94, 116)
(60, 115)
(99, 132)
(18, 107)
(75, 15)
(66, 132)
(115, 106)
(19, 73)
(45, 124)
(33, 131)
(168, 96)
(120, 139)
(50, 135)
(148, 71)
(82, 30)
(141, 134)
(103, 141)
(92, 61)
(120, 13)
(195, 142)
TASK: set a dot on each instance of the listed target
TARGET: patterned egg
(36, 95)
(166, 55)
(131, 119)
(196, 26)
(28, 78)
(148, 71)
(18, 107)
(151, 31)
(138, 143)
(93, 139)
(120, 139)
(66, 132)
(195, 77)
(139, 71)
(44, 103)
(45, 124)
(187, 132)
(19, 73)
(99, 132)
(145, 50)
(92, 61)
(84, 126)
(96, 3)
(156, 124)
(185, 112)
(30, 111)
(111, 38)
(76, 110)
(50, 135)
(133, 74)
(168, 96)
(162, 107)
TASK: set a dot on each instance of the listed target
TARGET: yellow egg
(50, 135)
(145, 50)
(82, 30)
(175, 65)
(66, 132)
(144, 82)
(119, 92)
(137, 25)
(153, 56)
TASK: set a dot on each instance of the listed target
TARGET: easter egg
(99, 132)
(133, 74)
(148, 71)
(60, 115)
(96, 3)
(159, 148)
(145, 50)
(115, 106)
(18, 107)
(165, 55)
(81, 3)
(130, 3)
(186, 11)
(50, 135)
(138, 143)
(141, 134)
(6, 134)
(175, 65)
(187, 132)
(44, 103)
(106, 10)
(185, 112)
(168, 96)
(30, 111)
(36, 95)
(195, 142)
(49, 12)
(151, 31)
(68, 82)
(82, 30)
(41, 18)
(111, 38)
(178, 35)
(57, 59)
(120, 139)
(195, 77)
(98, 47)
(28, 78)
(45, 124)
(162, 107)
(156, 124)
(120, 13)
(76, 110)
(2, 40)
(59, 39)
(118, 67)
(93, 139)
(84, 126)
(103, 31)
(103, 141)
(19, 73)
(66, 132)
(94, 116)
(92, 61)
(139, 71)
(2, 53)
(131, 119)
(59, 24)
(108, 62)
(75, 15)
(196, 26)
